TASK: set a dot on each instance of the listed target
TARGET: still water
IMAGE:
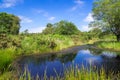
(55, 64)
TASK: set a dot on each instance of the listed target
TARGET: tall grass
(69, 74)
(73, 74)
(6, 57)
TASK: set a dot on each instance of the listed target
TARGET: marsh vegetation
(67, 52)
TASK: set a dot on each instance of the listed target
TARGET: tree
(95, 33)
(65, 28)
(9, 24)
(108, 11)
(62, 27)
(49, 29)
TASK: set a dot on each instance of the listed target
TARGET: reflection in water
(58, 62)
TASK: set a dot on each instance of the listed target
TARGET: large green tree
(9, 23)
(65, 28)
(62, 28)
(108, 12)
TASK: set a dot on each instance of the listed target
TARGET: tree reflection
(95, 51)
(69, 57)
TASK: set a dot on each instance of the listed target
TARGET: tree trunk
(118, 38)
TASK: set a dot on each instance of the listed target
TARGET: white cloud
(44, 13)
(51, 18)
(36, 30)
(85, 28)
(79, 2)
(74, 8)
(77, 5)
(89, 18)
(9, 3)
(25, 19)
(40, 11)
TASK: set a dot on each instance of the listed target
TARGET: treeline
(10, 25)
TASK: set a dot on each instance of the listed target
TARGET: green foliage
(107, 37)
(108, 11)
(66, 28)
(7, 41)
(62, 28)
(49, 29)
(95, 33)
(25, 32)
(112, 45)
(45, 43)
(9, 24)
(6, 57)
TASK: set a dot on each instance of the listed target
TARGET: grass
(6, 57)
(73, 74)
(112, 45)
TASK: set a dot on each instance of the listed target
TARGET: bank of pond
(76, 63)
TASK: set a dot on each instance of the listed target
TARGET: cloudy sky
(35, 14)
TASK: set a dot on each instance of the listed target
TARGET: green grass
(112, 45)
(74, 74)
(6, 57)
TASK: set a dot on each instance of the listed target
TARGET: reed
(74, 74)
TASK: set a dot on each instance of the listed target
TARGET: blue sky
(35, 14)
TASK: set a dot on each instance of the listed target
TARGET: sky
(35, 14)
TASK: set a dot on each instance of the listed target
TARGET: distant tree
(25, 32)
(9, 24)
(95, 32)
(108, 12)
(65, 28)
(49, 29)
(49, 25)
(62, 27)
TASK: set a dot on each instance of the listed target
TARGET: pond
(55, 64)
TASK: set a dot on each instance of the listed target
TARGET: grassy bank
(110, 45)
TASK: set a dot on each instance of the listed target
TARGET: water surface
(55, 64)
